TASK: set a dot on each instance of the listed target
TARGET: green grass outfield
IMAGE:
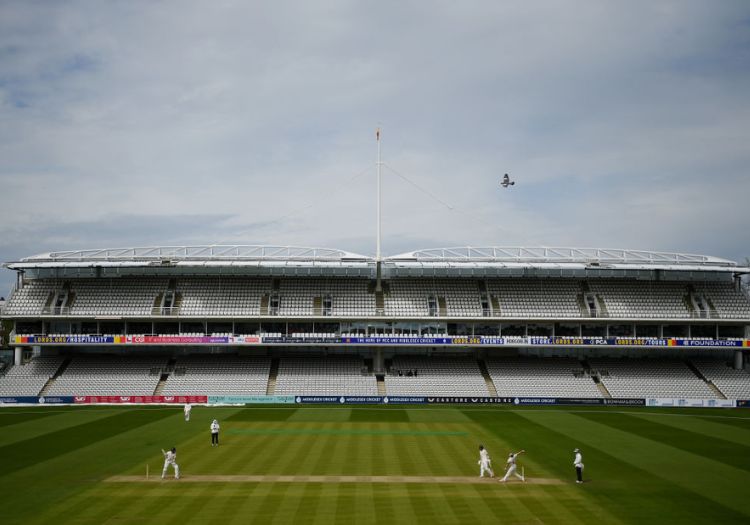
(642, 465)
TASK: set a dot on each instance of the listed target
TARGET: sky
(127, 123)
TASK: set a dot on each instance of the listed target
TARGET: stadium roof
(464, 261)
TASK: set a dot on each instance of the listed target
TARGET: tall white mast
(378, 163)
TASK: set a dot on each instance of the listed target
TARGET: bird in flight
(506, 181)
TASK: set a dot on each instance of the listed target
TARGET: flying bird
(506, 181)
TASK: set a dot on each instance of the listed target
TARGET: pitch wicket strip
(466, 480)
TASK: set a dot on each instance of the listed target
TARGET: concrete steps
(487, 379)
(272, 374)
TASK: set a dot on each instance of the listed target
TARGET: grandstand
(478, 322)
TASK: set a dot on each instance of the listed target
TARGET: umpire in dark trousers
(578, 464)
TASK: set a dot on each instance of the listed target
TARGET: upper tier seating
(221, 296)
(29, 379)
(435, 376)
(728, 301)
(734, 384)
(124, 296)
(31, 298)
(536, 298)
(650, 378)
(349, 297)
(535, 377)
(324, 376)
(109, 375)
(635, 299)
(218, 375)
(411, 297)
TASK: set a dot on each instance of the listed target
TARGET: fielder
(187, 409)
(170, 458)
(578, 464)
(485, 463)
(512, 467)
(215, 433)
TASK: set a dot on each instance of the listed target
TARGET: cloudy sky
(125, 123)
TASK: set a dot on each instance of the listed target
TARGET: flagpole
(378, 286)
(377, 252)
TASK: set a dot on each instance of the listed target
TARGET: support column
(738, 364)
(18, 356)
(378, 364)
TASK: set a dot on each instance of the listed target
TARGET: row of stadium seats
(325, 377)
(558, 377)
(435, 376)
(650, 378)
(348, 375)
(236, 296)
(219, 375)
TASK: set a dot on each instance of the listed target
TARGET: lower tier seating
(651, 378)
(535, 377)
(324, 376)
(29, 379)
(435, 376)
(214, 375)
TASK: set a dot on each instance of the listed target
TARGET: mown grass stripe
(684, 469)
(462, 508)
(326, 511)
(192, 506)
(52, 422)
(718, 449)
(707, 427)
(11, 417)
(29, 452)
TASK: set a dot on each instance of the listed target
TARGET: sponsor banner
(404, 400)
(691, 403)
(743, 403)
(177, 339)
(140, 400)
(246, 340)
(389, 341)
(625, 402)
(70, 339)
(25, 400)
(302, 340)
(35, 400)
(405, 340)
(316, 399)
(249, 400)
(469, 400)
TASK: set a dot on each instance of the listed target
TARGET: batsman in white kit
(187, 409)
(512, 469)
(485, 463)
(170, 458)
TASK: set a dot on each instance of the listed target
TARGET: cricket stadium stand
(467, 321)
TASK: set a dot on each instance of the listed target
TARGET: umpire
(578, 464)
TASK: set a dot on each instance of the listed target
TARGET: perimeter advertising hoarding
(36, 400)
(250, 400)
(140, 400)
(690, 403)
(376, 341)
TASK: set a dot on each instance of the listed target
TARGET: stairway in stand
(487, 379)
(48, 384)
(271, 387)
